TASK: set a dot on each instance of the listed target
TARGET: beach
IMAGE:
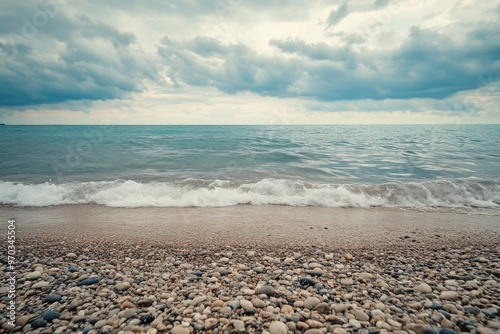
(255, 269)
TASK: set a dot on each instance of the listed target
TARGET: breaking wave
(470, 192)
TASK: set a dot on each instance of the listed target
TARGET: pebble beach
(383, 278)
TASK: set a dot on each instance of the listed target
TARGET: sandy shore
(254, 269)
(255, 226)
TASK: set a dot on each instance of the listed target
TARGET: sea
(362, 166)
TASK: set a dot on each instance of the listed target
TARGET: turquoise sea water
(393, 165)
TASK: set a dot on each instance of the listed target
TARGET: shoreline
(251, 269)
(255, 226)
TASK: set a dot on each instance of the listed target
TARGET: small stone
(484, 330)
(277, 327)
(87, 329)
(447, 295)
(146, 319)
(122, 286)
(198, 300)
(90, 281)
(355, 323)
(267, 290)
(307, 281)
(339, 330)
(313, 331)
(52, 298)
(424, 288)
(315, 272)
(210, 323)
(322, 308)
(145, 303)
(250, 253)
(99, 324)
(474, 310)
(450, 308)
(33, 275)
(348, 256)
(225, 310)
(246, 305)
(22, 320)
(415, 305)
(366, 276)
(39, 285)
(38, 323)
(180, 330)
(239, 326)
(50, 315)
(71, 255)
(311, 302)
(346, 281)
(74, 304)
(128, 313)
(447, 331)
(430, 330)
(258, 303)
(361, 316)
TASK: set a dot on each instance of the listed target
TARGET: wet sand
(255, 226)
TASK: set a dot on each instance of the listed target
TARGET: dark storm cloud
(427, 64)
(49, 57)
(51, 54)
(231, 68)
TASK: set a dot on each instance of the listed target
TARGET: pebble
(348, 256)
(50, 315)
(192, 291)
(448, 295)
(33, 275)
(361, 316)
(424, 288)
(37, 323)
(346, 281)
(430, 331)
(180, 330)
(122, 286)
(210, 323)
(40, 284)
(90, 281)
(198, 300)
(52, 298)
(246, 305)
(313, 331)
(355, 323)
(128, 313)
(485, 330)
(447, 331)
(311, 302)
(99, 324)
(277, 327)
(267, 290)
(239, 326)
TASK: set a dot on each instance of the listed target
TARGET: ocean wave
(471, 192)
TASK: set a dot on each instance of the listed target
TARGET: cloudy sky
(249, 62)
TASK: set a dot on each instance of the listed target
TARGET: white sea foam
(470, 192)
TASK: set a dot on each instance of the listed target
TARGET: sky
(249, 62)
